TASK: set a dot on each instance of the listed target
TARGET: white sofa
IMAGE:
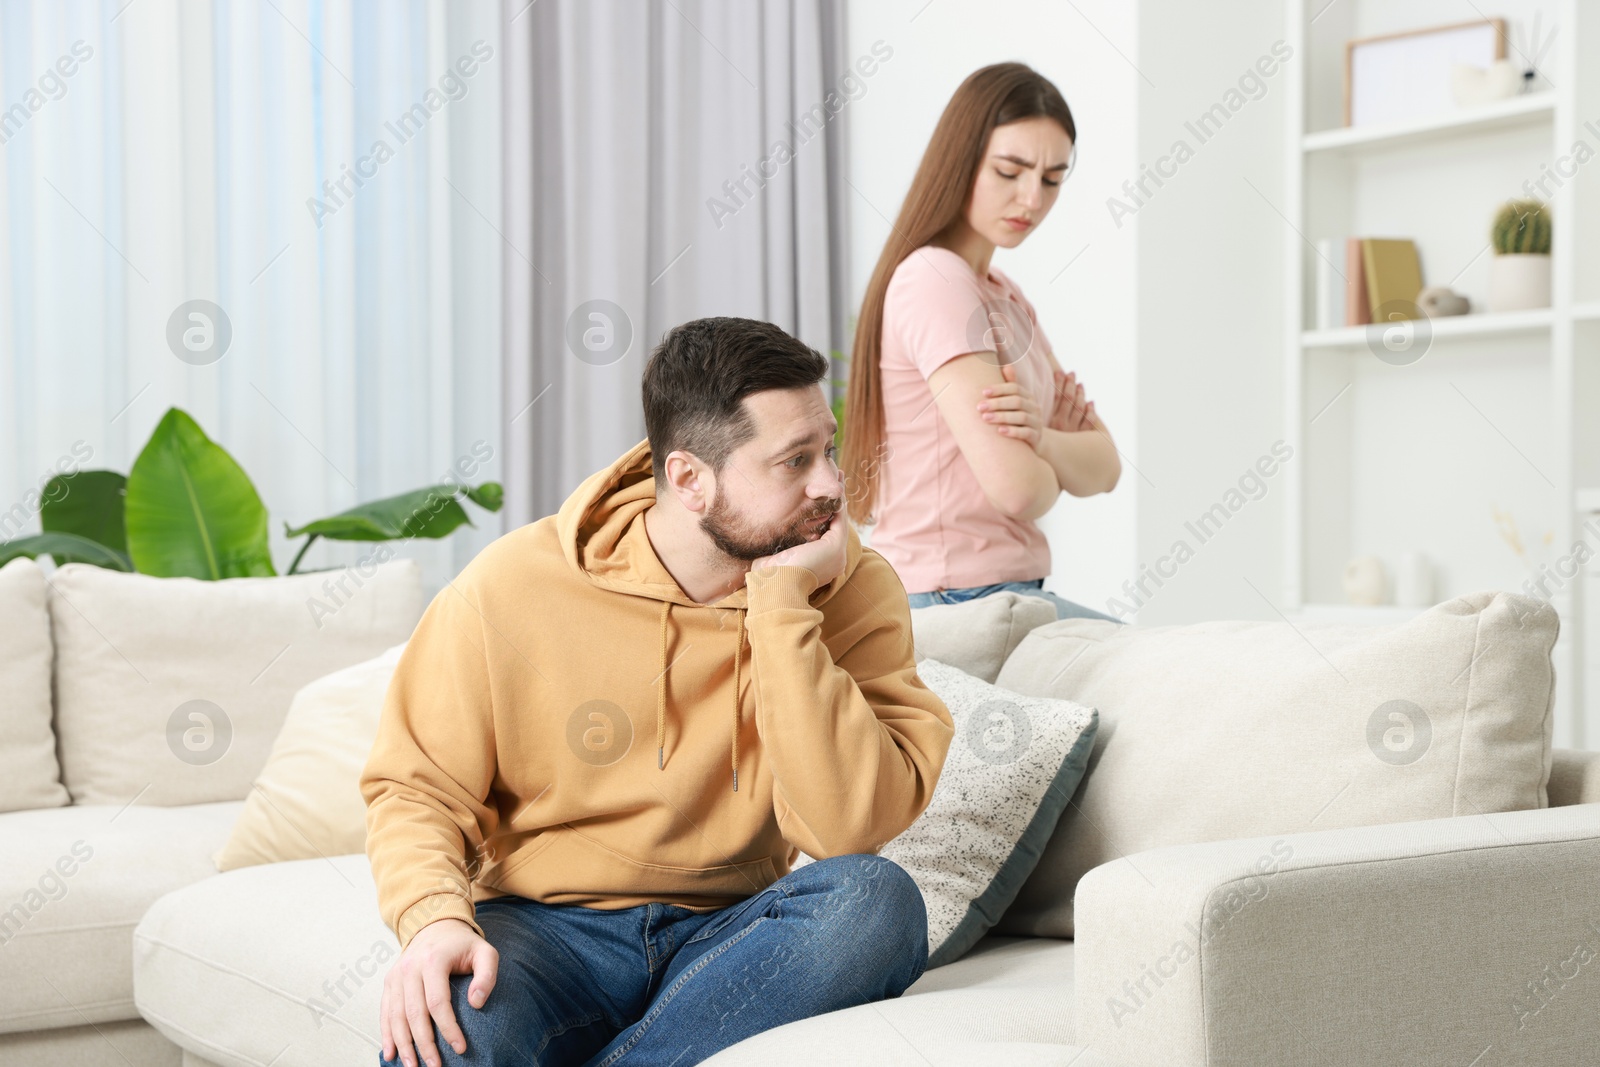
(1402, 942)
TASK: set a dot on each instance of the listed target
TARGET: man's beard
(737, 538)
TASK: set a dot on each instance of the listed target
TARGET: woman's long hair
(989, 97)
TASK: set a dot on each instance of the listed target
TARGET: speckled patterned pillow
(1013, 765)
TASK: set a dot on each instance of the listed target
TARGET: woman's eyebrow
(1019, 161)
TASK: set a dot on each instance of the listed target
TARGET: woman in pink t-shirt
(961, 428)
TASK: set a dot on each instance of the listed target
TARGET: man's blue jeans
(659, 984)
(1065, 609)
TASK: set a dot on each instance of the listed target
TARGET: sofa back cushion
(172, 690)
(29, 775)
(1224, 730)
(976, 636)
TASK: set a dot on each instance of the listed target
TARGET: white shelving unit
(1499, 421)
(1528, 109)
(1489, 324)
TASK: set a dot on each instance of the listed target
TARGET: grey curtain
(663, 161)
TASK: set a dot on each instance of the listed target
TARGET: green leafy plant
(64, 548)
(1522, 227)
(431, 512)
(191, 511)
(187, 509)
(839, 387)
(93, 508)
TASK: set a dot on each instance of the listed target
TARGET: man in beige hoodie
(612, 734)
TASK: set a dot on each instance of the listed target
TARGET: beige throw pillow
(172, 690)
(29, 775)
(1223, 730)
(307, 801)
(976, 636)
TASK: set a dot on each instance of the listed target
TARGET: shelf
(1367, 614)
(1517, 111)
(1586, 312)
(1485, 324)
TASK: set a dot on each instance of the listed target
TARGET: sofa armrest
(1574, 777)
(1421, 942)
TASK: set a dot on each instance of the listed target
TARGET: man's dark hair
(698, 376)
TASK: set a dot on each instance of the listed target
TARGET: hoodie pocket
(589, 866)
(529, 851)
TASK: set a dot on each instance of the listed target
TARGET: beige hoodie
(566, 725)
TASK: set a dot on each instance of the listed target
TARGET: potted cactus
(1519, 275)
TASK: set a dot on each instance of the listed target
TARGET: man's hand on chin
(824, 557)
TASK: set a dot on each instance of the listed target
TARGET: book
(1330, 285)
(1393, 276)
(1356, 310)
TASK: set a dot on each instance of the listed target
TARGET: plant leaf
(489, 496)
(432, 512)
(64, 548)
(191, 510)
(89, 504)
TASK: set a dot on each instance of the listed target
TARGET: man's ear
(688, 480)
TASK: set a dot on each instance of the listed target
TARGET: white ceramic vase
(1518, 281)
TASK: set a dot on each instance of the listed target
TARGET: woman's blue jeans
(659, 984)
(1065, 609)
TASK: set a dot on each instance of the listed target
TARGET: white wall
(1087, 308)
(1210, 308)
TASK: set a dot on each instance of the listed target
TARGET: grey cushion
(1012, 765)
(1011, 768)
(1222, 730)
(978, 635)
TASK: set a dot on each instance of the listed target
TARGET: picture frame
(1395, 77)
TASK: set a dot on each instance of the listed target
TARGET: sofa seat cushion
(279, 963)
(74, 883)
(130, 1043)
(1008, 1001)
(283, 963)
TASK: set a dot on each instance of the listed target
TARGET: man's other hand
(416, 991)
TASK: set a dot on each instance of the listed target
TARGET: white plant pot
(1518, 281)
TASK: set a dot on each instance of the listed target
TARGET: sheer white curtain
(212, 151)
(392, 308)
(624, 121)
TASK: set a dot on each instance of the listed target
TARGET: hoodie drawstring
(661, 692)
(738, 651)
(661, 695)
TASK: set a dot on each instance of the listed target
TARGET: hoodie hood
(602, 533)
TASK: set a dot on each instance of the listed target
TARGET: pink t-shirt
(935, 525)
